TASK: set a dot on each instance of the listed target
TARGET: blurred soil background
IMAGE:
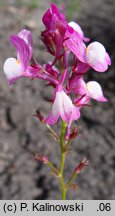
(21, 177)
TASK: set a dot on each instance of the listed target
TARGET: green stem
(63, 189)
(67, 144)
(53, 167)
(62, 161)
(53, 132)
(70, 180)
(62, 136)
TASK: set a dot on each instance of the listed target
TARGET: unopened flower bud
(41, 158)
(75, 132)
(71, 134)
(82, 164)
(39, 115)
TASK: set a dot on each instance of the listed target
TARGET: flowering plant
(73, 58)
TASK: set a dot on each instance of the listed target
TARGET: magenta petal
(23, 51)
(64, 108)
(54, 9)
(67, 109)
(100, 67)
(58, 39)
(102, 99)
(63, 77)
(47, 18)
(77, 84)
(83, 100)
(108, 60)
(51, 69)
(71, 116)
(52, 119)
(27, 37)
(56, 109)
(75, 113)
(76, 45)
(81, 68)
(86, 39)
(52, 16)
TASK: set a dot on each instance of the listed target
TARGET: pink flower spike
(97, 57)
(78, 29)
(94, 91)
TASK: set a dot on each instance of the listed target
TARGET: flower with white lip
(97, 57)
(94, 55)
(18, 67)
(94, 91)
(62, 106)
(87, 91)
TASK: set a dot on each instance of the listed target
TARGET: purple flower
(60, 38)
(94, 55)
(94, 91)
(53, 17)
(97, 57)
(54, 34)
(86, 91)
(62, 106)
(15, 68)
